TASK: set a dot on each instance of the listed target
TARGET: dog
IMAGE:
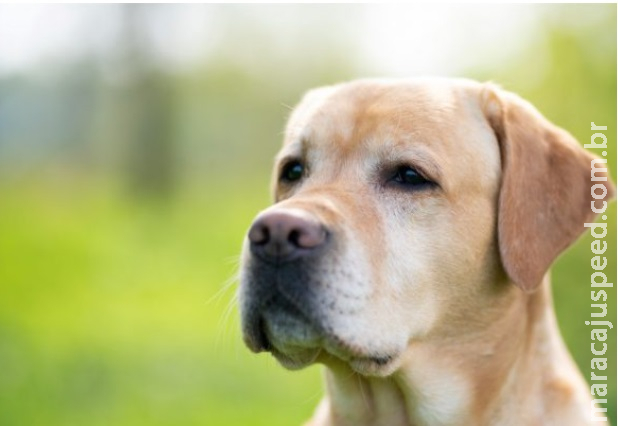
(408, 251)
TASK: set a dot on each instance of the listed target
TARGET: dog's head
(402, 208)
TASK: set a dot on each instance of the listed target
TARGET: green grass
(114, 312)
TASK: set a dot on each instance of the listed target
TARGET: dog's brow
(293, 151)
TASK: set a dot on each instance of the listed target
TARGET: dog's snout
(284, 235)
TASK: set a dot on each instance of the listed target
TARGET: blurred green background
(135, 148)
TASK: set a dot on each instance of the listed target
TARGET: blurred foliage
(123, 205)
(110, 313)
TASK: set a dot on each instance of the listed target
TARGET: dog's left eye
(408, 176)
(292, 171)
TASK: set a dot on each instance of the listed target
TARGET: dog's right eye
(409, 178)
(292, 171)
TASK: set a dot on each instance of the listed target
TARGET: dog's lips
(288, 330)
(374, 365)
(292, 356)
(363, 360)
(255, 338)
(296, 359)
(296, 343)
(297, 328)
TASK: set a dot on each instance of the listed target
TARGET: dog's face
(387, 224)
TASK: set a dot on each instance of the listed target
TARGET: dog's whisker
(313, 397)
(223, 326)
(232, 260)
(361, 387)
(227, 285)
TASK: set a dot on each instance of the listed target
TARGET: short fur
(427, 306)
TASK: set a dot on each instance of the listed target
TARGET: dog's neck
(463, 380)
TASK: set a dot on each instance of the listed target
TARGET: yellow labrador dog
(408, 249)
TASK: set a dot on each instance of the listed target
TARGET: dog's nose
(285, 234)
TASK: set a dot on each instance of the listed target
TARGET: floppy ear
(545, 196)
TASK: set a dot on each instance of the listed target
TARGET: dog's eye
(292, 171)
(408, 176)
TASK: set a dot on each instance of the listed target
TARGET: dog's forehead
(372, 124)
(368, 113)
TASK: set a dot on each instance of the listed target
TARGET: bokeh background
(135, 148)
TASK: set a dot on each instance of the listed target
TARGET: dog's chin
(376, 366)
(301, 354)
(364, 361)
(297, 342)
(296, 359)
(290, 337)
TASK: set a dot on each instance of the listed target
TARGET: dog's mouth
(294, 356)
(297, 341)
(381, 365)
(289, 335)
(284, 312)
(361, 360)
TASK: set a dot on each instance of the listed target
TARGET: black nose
(285, 234)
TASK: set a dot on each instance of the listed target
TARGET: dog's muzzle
(284, 249)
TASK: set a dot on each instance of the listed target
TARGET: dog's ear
(545, 195)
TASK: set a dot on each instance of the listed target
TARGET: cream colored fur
(437, 279)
